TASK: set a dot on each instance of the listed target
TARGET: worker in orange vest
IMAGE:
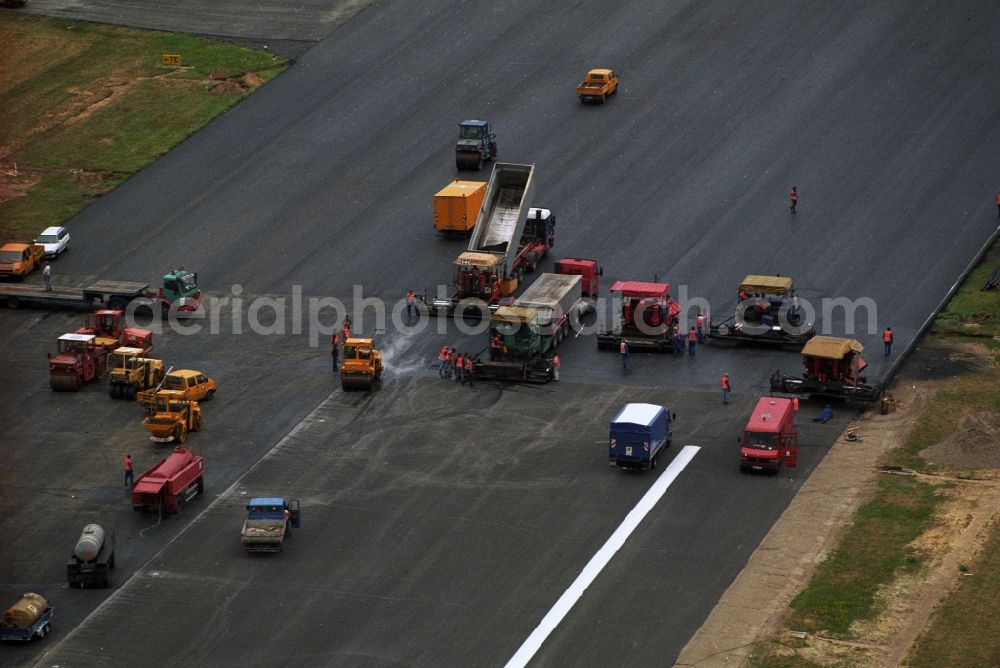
(129, 474)
(998, 204)
(726, 387)
(692, 341)
(794, 197)
(887, 340)
(409, 304)
(346, 328)
(459, 367)
(555, 367)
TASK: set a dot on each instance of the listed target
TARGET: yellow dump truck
(362, 366)
(456, 207)
(18, 260)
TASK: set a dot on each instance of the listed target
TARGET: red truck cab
(587, 269)
(769, 438)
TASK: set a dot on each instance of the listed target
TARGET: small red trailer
(174, 480)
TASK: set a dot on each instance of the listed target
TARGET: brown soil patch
(16, 182)
(975, 445)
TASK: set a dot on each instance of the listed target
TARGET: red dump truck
(168, 485)
(769, 439)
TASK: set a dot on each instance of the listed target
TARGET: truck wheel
(132, 391)
(604, 98)
(179, 434)
(652, 463)
(479, 163)
(208, 397)
(201, 486)
(13, 302)
(493, 150)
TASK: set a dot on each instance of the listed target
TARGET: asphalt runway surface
(482, 506)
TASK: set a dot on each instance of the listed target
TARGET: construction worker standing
(692, 341)
(334, 349)
(795, 410)
(726, 387)
(623, 349)
(469, 368)
(129, 478)
(794, 197)
(887, 340)
(677, 342)
(409, 304)
(701, 327)
(459, 367)
(998, 204)
(555, 367)
(495, 347)
(346, 329)
(443, 361)
(47, 275)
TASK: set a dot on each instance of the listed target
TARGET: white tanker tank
(93, 557)
(89, 544)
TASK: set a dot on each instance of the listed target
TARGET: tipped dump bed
(504, 210)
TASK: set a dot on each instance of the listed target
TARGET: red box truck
(769, 439)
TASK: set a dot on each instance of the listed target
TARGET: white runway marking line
(601, 559)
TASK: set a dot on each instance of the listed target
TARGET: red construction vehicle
(172, 482)
(78, 360)
(107, 326)
(647, 318)
(769, 439)
(588, 270)
(833, 368)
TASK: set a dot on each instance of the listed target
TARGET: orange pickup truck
(18, 260)
(597, 85)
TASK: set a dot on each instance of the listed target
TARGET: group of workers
(457, 366)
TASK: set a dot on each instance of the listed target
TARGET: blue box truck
(638, 433)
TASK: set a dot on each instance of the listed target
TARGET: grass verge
(965, 629)
(871, 552)
(88, 105)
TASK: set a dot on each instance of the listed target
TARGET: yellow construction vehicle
(362, 366)
(131, 373)
(171, 417)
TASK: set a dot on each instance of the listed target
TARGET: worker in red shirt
(129, 474)
(495, 344)
(887, 340)
(692, 341)
(795, 410)
(346, 329)
(555, 367)
(623, 349)
(443, 361)
(726, 387)
(409, 304)
(998, 204)
(459, 367)
(794, 197)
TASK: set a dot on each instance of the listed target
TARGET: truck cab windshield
(11, 256)
(472, 132)
(761, 441)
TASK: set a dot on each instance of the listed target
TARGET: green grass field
(88, 105)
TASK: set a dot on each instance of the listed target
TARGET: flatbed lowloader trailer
(179, 293)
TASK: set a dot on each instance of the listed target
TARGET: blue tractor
(476, 143)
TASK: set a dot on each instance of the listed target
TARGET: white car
(55, 240)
